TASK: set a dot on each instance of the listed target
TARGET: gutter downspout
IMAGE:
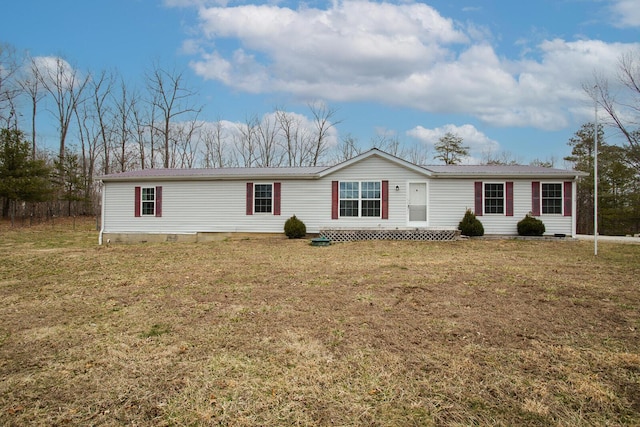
(104, 190)
(574, 202)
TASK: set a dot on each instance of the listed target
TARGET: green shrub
(294, 228)
(470, 225)
(530, 226)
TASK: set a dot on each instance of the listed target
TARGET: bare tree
(346, 149)
(269, 153)
(31, 86)
(323, 120)
(101, 87)
(246, 141)
(216, 153)
(499, 158)
(65, 86)
(141, 130)
(624, 113)
(185, 141)
(88, 134)
(389, 143)
(171, 99)
(295, 139)
(123, 123)
(418, 154)
(8, 89)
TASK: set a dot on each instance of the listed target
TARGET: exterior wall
(218, 206)
(450, 198)
(374, 169)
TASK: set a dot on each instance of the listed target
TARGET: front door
(417, 204)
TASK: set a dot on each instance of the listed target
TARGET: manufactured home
(374, 191)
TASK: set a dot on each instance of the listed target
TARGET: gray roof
(499, 171)
(215, 174)
(315, 172)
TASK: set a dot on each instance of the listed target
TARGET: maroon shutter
(509, 198)
(385, 199)
(478, 198)
(158, 201)
(136, 208)
(568, 198)
(334, 200)
(276, 198)
(249, 198)
(535, 198)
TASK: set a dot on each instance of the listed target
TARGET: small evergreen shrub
(294, 228)
(530, 226)
(470, 225)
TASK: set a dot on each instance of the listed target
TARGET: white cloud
(56, 71)
(403, 54)
(477, 141)
(626, 13)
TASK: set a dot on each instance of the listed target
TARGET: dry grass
(275, 332)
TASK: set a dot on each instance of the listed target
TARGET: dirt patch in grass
(277, 332)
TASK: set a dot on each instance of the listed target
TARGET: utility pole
(595, 178)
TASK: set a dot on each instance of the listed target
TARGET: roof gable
(378, 153)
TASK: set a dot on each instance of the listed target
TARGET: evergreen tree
(21, 177)
(581, 157)
(70, 180)
(618, 184)
(450, 149)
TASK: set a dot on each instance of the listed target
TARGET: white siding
(374, 169)
(450, 198)
(219, 205)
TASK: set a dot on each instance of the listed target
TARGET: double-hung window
(148, 201)
(360, 198)
(263, 198)
(494, 198)
(551, 198)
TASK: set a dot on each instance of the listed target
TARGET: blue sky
(505, 75)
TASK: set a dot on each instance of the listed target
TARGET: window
(551, 198)
(148, 201)
(263, 198)
(494, 198)
(360, 199)
(349, 198)
(370, 199)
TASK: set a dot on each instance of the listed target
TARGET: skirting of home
(334, 235)
(201, 237)
(417, 234)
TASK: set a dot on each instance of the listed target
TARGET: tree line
(115, 127)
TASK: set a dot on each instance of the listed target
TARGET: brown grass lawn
(275, 332)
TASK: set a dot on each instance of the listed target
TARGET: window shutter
(334, 200)
(478, 198)
(158, 201)
(385, 200)
(249, 198)
(276, 198)
(136, 208)
(509, 198)
(535, 198)
(568, 198)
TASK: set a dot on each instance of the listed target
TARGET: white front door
(417, 204)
